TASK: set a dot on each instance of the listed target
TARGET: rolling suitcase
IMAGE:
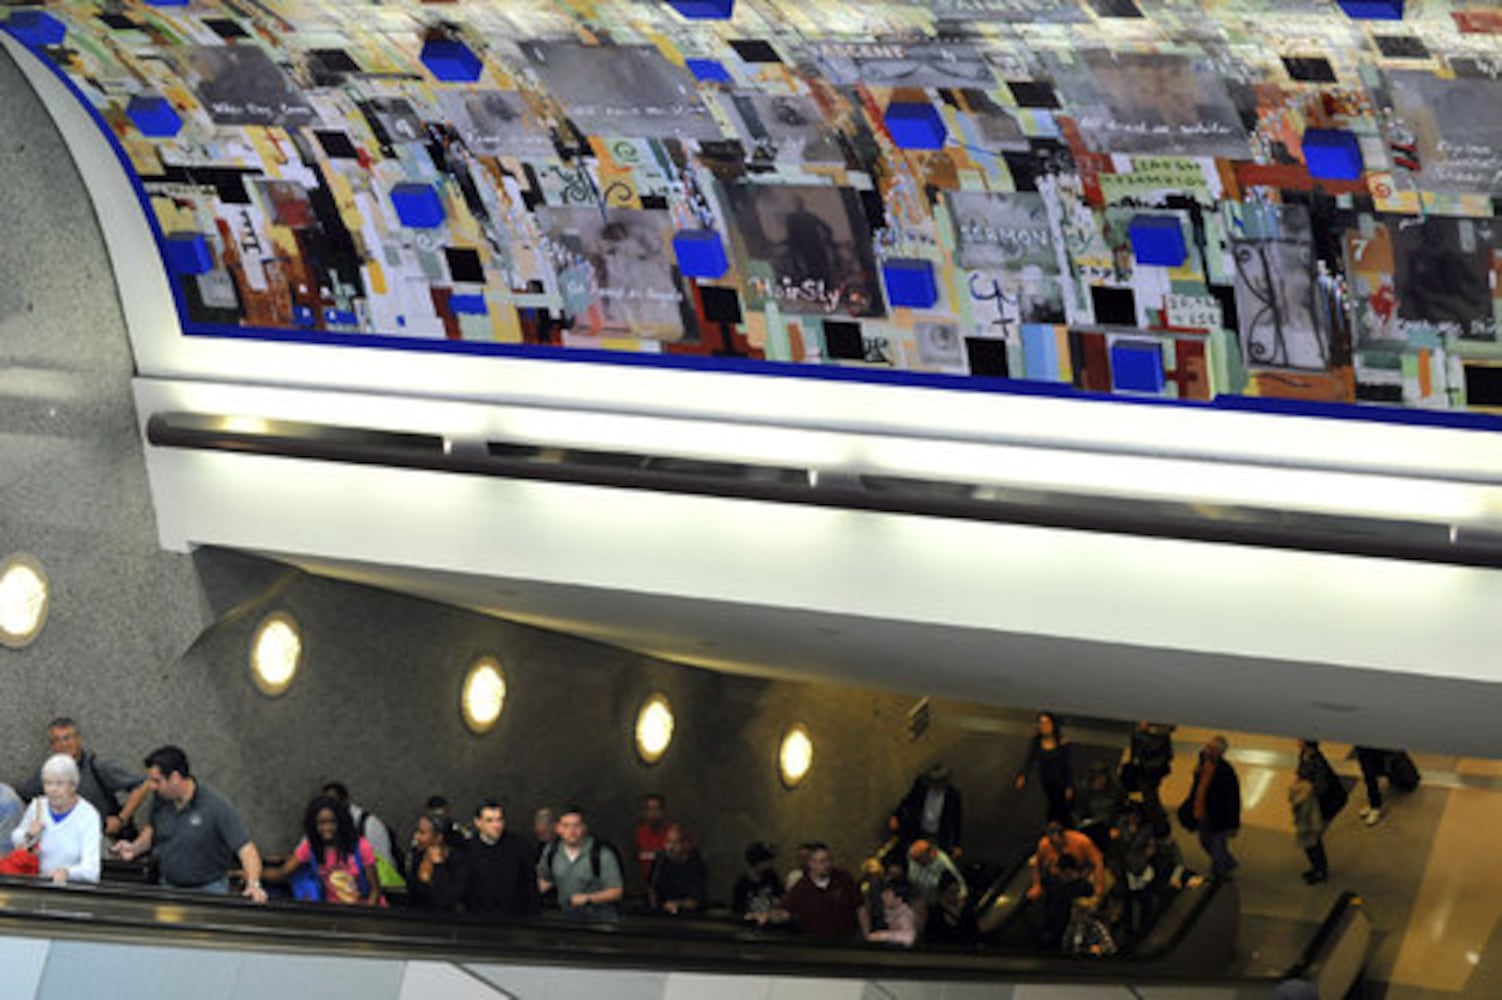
(1401, 772)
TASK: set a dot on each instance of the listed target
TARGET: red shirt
(648, 843)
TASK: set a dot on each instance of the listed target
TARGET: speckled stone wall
(146, 647)
(72, 480)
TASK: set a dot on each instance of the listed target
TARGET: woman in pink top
(344, 871)
(901, 922)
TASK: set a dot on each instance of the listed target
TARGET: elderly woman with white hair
(63, 825)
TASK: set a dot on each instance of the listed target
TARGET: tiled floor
(1428, 873)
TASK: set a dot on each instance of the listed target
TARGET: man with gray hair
(101, 782)
(1213, 808)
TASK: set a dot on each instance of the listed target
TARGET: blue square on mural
(708, 71)
(916, 126)
(154, 116)
(704, 10)
(167, 3)
(1332, 154)
(451, 60)
(188, 253)
(417, 205)
(910, 283)
(1373, 10)
(36, 28)
(1137, 366)
(1040, 352)
(1158, 239)
(305, 317)
(468, 305)
(700, 252)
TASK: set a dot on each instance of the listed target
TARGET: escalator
(87, 927)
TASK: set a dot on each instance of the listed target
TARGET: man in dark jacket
(1213, 809)
(931, 811)
(678, 882)
(501, 878)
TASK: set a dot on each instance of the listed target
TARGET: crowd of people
(1104, 868)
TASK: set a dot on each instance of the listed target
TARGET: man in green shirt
(585, 871)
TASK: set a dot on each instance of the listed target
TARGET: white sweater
(71, 843)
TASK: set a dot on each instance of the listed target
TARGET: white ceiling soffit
(988, 666)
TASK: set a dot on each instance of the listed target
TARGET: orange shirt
(1078, 846)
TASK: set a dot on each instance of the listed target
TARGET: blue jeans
(1217, 845)
(218, 887)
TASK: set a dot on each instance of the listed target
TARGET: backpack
(389, 871)
(398, 858)
(595, 850)
(307, 884)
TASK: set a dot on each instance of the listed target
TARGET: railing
(156, 916)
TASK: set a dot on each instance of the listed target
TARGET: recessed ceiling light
(484, 695)
(275, 652)
(654, 728)
(24, 596)
(796, 756)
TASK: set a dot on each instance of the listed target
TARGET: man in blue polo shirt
(197, 836)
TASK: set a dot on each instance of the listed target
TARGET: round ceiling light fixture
(484, 695)
(24, 595)
(275, 653)
(654, 728)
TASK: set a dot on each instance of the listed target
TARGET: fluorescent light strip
(1188, 481)
(1170, 516)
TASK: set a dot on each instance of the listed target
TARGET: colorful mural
(1183, 199)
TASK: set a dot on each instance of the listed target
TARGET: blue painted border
(748, 366)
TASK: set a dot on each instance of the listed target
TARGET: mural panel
(1162, 198)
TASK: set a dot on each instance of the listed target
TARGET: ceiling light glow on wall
(484, 695)
(654, 728)
(796, 756)
(23, 600)
(275, 652)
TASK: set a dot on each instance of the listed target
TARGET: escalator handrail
(1212, 888)
(236, 924)
(1328, 927)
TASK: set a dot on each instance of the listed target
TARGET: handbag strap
(36, 809)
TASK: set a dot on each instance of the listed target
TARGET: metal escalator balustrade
(141, 915)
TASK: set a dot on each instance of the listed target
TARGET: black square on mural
(1309, 69)
(1114, 306)
(1379, 392)
(464, 264)
(119, 22)
(1034, 93)
(337, 145)
(334, 60)
(755, 50)
(1025, 168)
(1116, 8)
(1401, 47)
(721, 305)
(1483, 385)
(1226, 296)
(987, 357)
(329, 67)
(843, 340)
(225, 28)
